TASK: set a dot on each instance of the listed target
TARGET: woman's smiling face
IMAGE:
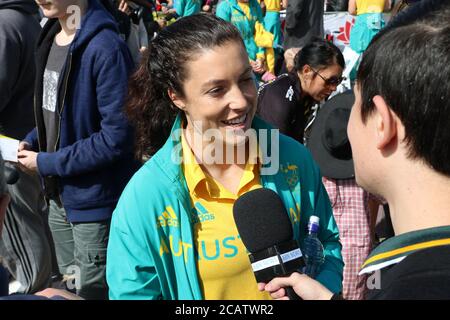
(219, 92)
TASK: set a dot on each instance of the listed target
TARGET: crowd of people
(140, 123)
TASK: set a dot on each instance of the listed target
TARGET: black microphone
(11, 174)
(266, 231)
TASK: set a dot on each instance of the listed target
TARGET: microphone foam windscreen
(261, 219)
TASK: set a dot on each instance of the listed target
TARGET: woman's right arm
(130, 268)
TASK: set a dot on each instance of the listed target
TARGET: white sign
(8, 148)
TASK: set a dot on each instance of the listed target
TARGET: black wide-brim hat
(328, 141)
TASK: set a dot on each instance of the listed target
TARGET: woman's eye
(215, 91)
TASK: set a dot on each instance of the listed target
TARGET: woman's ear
(386, 123)
(177, 101)
(307, 71)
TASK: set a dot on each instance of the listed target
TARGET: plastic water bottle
(313, 249)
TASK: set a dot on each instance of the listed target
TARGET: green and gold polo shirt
(395, 249)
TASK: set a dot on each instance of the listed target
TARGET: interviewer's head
(4, 196)
(402, 108)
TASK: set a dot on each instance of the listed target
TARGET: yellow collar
(200, 182)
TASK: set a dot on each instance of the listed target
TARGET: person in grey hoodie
(26, 245)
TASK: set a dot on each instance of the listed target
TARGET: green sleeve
(260, 19)
(259, 13)
(130, 268)
(179, 6)
(224, 11)
(261, 51)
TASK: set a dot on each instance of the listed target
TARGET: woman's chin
(236, 140)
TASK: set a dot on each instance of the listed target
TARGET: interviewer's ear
(386, 122)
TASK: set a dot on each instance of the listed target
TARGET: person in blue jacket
(82, 144)
(186, 8)
(173, 235)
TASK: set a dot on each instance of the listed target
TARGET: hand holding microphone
(303, 286)
(266, 231)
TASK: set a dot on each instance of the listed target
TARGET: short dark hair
(163, 67)
(318, 54)
(409, 67)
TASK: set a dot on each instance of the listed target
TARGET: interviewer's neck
(419, 198)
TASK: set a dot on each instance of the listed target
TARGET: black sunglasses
(333, 81)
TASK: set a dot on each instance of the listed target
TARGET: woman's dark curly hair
(163, 67)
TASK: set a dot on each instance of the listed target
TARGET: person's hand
(28, 161)
(258, 66)
(23, 145)
(161, 22)
(51, 292)
(206, 8)
(289, 56)
(123, 6)
(304, 287)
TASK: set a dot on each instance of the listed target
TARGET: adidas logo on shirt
(200, 214)
(168, 218)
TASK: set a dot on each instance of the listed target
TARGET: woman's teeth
(236, 121)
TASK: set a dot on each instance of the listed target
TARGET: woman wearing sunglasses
(286, 102)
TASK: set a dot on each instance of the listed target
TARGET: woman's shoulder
(288, 149)
(279, 82)
(293, 150)
(283, 88)
(147, 195)
(149, 185)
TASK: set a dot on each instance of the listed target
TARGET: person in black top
(398, 130)
(286, 102)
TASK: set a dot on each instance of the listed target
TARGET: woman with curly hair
(173, 235)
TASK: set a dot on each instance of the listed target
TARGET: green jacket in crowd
(230, 10)
(186, 8)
